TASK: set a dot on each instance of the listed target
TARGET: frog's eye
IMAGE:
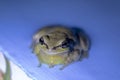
(41, 41)
(65, 44)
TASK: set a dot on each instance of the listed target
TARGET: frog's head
(56, 43)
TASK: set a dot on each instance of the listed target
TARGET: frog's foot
(51, 65)
(33, 51)
(65, 65)
(40, 64)
(84, 54)
(67, 62)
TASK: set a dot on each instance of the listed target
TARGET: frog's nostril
(47, 36)
(50, 49)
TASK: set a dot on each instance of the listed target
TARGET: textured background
(19, 19)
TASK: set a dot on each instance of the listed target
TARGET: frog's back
(48, 29)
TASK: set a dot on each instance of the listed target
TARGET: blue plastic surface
(19, 19)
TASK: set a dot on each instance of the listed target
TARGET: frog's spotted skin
(58, 45)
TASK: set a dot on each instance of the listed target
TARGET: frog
(59, 45)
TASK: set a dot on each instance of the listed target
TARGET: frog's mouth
(49, 52)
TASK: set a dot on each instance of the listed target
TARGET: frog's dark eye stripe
(41, 41)
(65, 44)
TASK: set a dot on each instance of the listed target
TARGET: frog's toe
(62, 68)
(51, 66)
(39, 65)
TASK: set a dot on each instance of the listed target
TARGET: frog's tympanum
(59, 45)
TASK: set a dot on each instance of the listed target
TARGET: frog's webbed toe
(63, 66)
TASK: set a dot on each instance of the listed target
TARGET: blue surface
(19, 19)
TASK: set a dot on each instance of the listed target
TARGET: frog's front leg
(66, 63)
(32, 46)
(72, 57)
(39, 58)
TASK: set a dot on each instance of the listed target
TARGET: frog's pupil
(41, 41)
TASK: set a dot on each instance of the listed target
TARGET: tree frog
(59, 45)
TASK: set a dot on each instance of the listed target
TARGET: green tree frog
(59, 45)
